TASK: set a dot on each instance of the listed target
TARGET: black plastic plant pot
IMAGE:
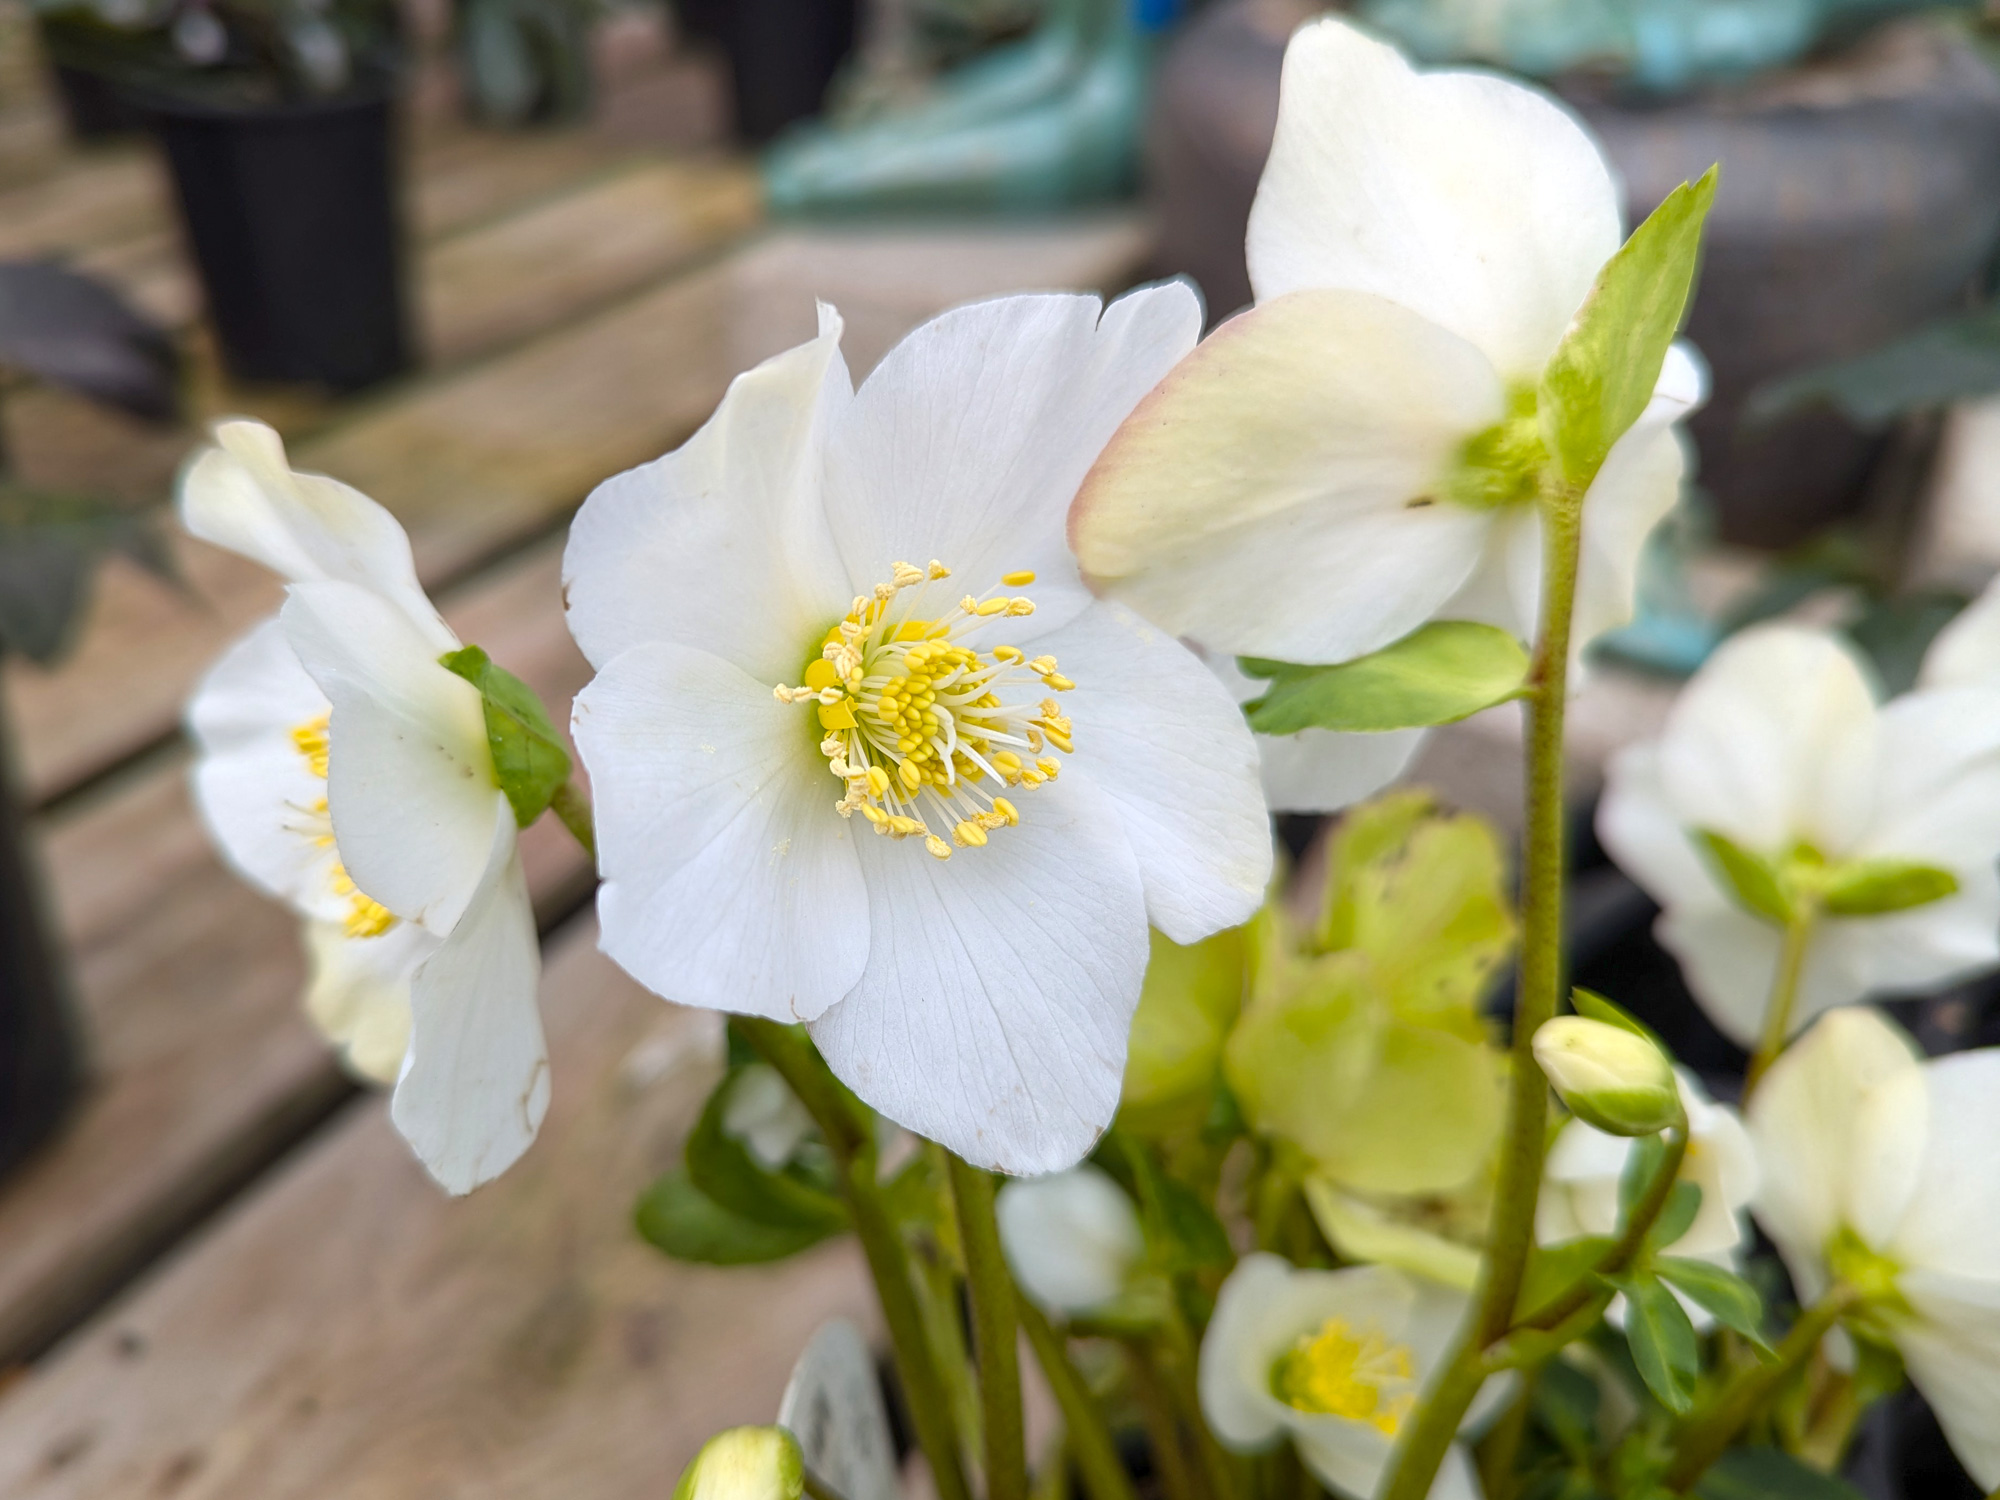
(292, 213)
(40, 1056)
(782, 56)
(94, 107)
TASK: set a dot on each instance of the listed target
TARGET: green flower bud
(745, 1463)
(1609, 1077)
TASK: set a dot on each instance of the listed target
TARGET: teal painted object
(1660, 47)
(1050, 122)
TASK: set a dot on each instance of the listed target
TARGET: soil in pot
(293, 217)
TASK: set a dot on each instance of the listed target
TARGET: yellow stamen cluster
(917, 720)
(366, 917)
(1339, 1371)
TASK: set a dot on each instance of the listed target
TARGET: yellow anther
(1032, 779)
(821, 674)
(1049, 766)
(1018, 580)
(1006, 811)
(1337, 1370)
(993, 607)
(1007, 763)
(968, 834)
(1020, 606)
(903, 826)
(1008, 653)
(906, 576)
(1042, 665)
(1059, 682)
(913, 776)
(878, 781)
(937, 846)
(874, 814)
(939, 570)
(311, 740)
(1062, 742)
(366, 918)
(885, 591)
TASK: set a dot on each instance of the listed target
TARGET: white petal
(1925, 947)
(729, 880)
(1730, 961)
(1160, 737)
(410, 779)
(1317, 770)
(1966, 653)
(994, 1011)
(1071, 1239)
(1641, 828)
(256, 791)
(243, 495)
(1260, 500)
(1937, 783)
(359, 993)
(722, 544)
(1347, 1457)
(1817, 1144)
(967, 443)
(475, 1085)
(1953, 1355)
(1477, 202)
(1505, 586)
(1952, 1222)
(1773, 741)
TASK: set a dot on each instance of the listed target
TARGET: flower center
(366, 918)
(1503, 464)
(923, 723)
(1338, 1371)
(1866, 1269)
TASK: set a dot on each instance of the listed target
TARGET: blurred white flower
(1966, 653)
(1333, 1360)
(1779, 746)
(1357, 454)
(1878, 1171)
(765, 1115)
(1072, 1239)
(344, 770)
(777, 683)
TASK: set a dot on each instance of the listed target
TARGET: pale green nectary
(1358, 453)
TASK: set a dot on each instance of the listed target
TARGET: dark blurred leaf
(1732, 1300)
(1895, 634)
(1769, 1474)
(1182, 1232)
(74, 332)
(1662, 1340)
(678, 1218)
(49, 544)
(723, 1169)
(1947, 361)
(1566, 1403)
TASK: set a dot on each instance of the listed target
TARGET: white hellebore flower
(1319, 770)
(1879, 1172)
(1580, 1183)
(344, 770)
(1356, 455)
(1071, 1239)
(1778, 745)
(779, 683)
(1336, 1361)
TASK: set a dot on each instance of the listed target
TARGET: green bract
(1804, 883)
(529, 756)
(1604, 371)
(1437, 674)
(1191, 998)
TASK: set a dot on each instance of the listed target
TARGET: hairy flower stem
(1784, 999)
(1090, 1440)
(1422, 1446)
(848, 1136)
(1704, 1433)
(996, 1331)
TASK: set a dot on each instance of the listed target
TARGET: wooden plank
(477, 460)
(202, 1066)
(114, 193)
(350, 1332)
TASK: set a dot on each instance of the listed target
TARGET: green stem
(1217, 1466)
(1161, 1415)
(1499, 1451)
(1104, 1475)
(1622, 1252)
(996, 1330)
(1424, 1444)
(1784, 999)
(1702, 1435)
(572, 807)
(850, 1139)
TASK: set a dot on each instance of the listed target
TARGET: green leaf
(1604, 370)
(723, 1170)
(1873, 887)
(1662, 1340)
(1647, 1155)
(1566, 1403)
(1950, 360)
(1683, 1204)
(1191, 997)
(1732, 1301)
(1554, 1269)
(1769, 1474)
(529, 756)
(678, 1218)
(1181, 1230)
(1437, 674)
(1745, 876)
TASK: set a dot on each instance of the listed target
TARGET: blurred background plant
(525, 62)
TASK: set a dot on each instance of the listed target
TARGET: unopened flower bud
(1609, 1077)
(745, 1463)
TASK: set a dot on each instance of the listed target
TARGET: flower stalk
(996, 1325)
(1784, 999)
(1090, 1440)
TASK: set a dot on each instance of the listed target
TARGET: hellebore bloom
(346, 771)
(1334, 1360)
(848, 773)
(1320, 770)
(1877, 826)
(1071, 1239)
(1878, 1173)
(1358, 453)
